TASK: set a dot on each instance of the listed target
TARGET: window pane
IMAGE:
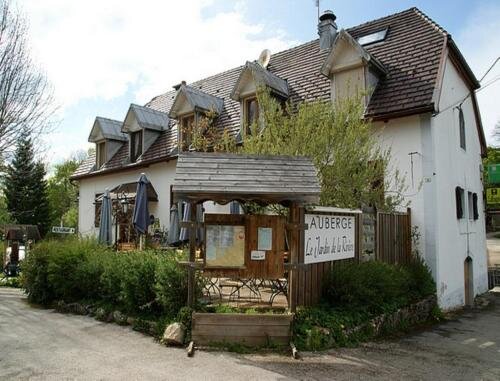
(459, 198)
(474, 206)
(252, 113)
(135, 145)
(187, 125)
(470, 206)
(101, 154)
(461, 123)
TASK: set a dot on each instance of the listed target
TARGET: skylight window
(373, 37)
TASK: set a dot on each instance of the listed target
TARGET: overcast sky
(102, 55)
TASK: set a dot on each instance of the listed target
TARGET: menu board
(225, 246)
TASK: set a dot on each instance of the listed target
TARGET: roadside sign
(494, 173)
(329, 237)
(493, 195)
(62, 230)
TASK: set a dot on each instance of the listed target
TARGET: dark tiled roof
(410, 54)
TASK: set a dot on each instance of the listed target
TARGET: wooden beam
(297, 226)
(192, 256)
(294, 257)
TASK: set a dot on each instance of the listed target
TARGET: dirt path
(41, 344)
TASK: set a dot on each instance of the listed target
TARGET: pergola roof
(263, 179)
(129, 190)
(21, 232)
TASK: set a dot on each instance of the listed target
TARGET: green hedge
(145, 282)
(375, 287)
(354, 294)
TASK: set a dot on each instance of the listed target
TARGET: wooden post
(294, 218)
(409, 238)
(192, 255)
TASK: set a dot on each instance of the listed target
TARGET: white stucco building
(421, 102)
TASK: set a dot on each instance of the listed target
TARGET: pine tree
(25, 187)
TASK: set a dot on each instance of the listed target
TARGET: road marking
(486, 344)
(468, 341)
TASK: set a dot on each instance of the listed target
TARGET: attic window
(250, 113)
(135, 145)
(100, 154)
(373, 37)
(187, 123)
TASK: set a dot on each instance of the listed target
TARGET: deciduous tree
(26, 101)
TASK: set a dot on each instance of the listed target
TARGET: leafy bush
(377, 287)
(171, 286)
(355, 293)
(368, 286)
(421, 282)
(142, 283)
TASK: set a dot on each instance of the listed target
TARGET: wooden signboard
(244, 246)
(329, 237)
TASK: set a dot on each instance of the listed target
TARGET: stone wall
(407, 316)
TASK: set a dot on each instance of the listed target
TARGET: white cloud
(480, 45)
(99, 49)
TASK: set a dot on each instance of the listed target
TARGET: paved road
(493, 245)
(40, 344)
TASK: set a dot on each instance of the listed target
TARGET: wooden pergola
(285, 180)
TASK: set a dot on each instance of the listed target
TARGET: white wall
(161, 176)
(403, 136)
(440, 165)
(455, 166)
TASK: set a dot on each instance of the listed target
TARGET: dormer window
(250, 113)
(135, 145)
(352, 69)
(108, 139)
(253, 77)
(100, 154)
(187, 124)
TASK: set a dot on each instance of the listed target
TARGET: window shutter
(458, 197)
(461, 123)
(474, 206)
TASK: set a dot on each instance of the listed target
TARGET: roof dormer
(107, 135)
(254, 76)
(190, 100)
(143, 126)
(351, 68)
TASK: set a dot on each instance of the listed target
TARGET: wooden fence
(393, 237)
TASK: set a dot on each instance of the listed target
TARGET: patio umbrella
(173, 231)
(199, 218)
(234, 207)
(184, 235)
(105, 234)
(140, 217)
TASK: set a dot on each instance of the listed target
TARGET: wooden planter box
(250, 330)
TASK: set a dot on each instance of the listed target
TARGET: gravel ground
(40, 344)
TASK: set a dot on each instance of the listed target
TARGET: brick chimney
(327, 30)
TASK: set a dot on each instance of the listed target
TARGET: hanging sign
(329, 237)
(62, 230)
(493, 195)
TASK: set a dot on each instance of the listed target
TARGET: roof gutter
(142, 164)
(401, 113)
